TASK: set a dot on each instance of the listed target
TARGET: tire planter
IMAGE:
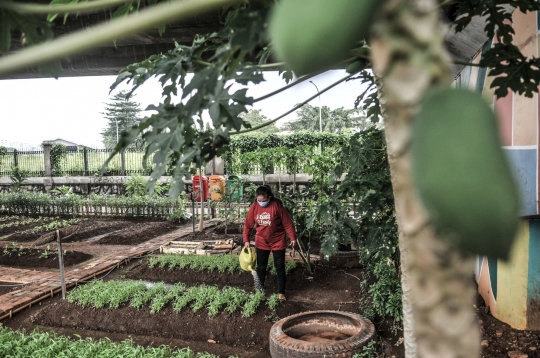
(328, 334)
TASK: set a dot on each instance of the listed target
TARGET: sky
(35, 110)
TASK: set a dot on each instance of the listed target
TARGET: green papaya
(461, 173)
(313, 35)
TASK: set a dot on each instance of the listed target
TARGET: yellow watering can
(247, 258)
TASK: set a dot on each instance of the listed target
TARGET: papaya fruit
(313, 35)
(461, 174)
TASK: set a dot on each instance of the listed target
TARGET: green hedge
(27, 203)
(252, 142)
(290, 153)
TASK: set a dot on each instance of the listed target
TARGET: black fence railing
(89, 162)
(32, 161)
(82, 162)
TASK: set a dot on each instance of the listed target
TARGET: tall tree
(255, 118)
(122, 114)
(334, 121)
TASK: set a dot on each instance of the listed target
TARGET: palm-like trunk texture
(409, 57)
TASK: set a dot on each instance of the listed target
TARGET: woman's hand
(246, 244)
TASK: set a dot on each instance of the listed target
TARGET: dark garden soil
(122, 232)
(30, 237)
(247, 337)
(137, 233)
(91, 228)
(143, 272)
(224, 335)
(499, 339)
(336, 289)
(231, 330)
(31, 258)
(232, 229)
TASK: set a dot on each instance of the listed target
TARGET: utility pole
(320, 107)
(320, 112)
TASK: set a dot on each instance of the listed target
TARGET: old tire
(317, 334)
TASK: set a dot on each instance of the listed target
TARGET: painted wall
(512, 289)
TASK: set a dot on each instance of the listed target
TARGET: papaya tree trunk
(409, 57)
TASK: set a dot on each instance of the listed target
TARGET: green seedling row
(8, 218)
(54, 225)
(23, 222)
(114, 294)
(51, 345)
(220, 263)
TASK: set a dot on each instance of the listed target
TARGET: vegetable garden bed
(116, 232)
(24, 257)
(137, 233)
(188, 313)
(192, 269)
(220, 332)
(19, 344)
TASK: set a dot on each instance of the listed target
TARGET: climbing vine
(58, 154)
(294, 151)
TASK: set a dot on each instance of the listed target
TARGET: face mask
(263, 204)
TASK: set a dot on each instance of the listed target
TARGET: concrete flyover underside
(109, 60)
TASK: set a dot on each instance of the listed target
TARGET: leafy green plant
(221, 263)
(159, 301)
(273, 301)
(252, 303)
(9, 218)
(179, 214)
(46, 253)
(62, 190)
(160, 189)
(113, 294)
(9, 249)
(383, 286)
(136, 186)
(17, 177)
(368, 351)
(23, 222)
(53, 225)
(144, 296)
(38, 344)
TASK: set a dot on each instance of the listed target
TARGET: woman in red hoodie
(272, 221)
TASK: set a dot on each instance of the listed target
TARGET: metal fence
(89, 162)
(32, 161)
(83, 162)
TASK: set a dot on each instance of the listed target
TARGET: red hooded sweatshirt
(271, 224)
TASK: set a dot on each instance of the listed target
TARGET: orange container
(217, 187)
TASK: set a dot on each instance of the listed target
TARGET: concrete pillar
(48, 168)
(215, 167)
(47, 158)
